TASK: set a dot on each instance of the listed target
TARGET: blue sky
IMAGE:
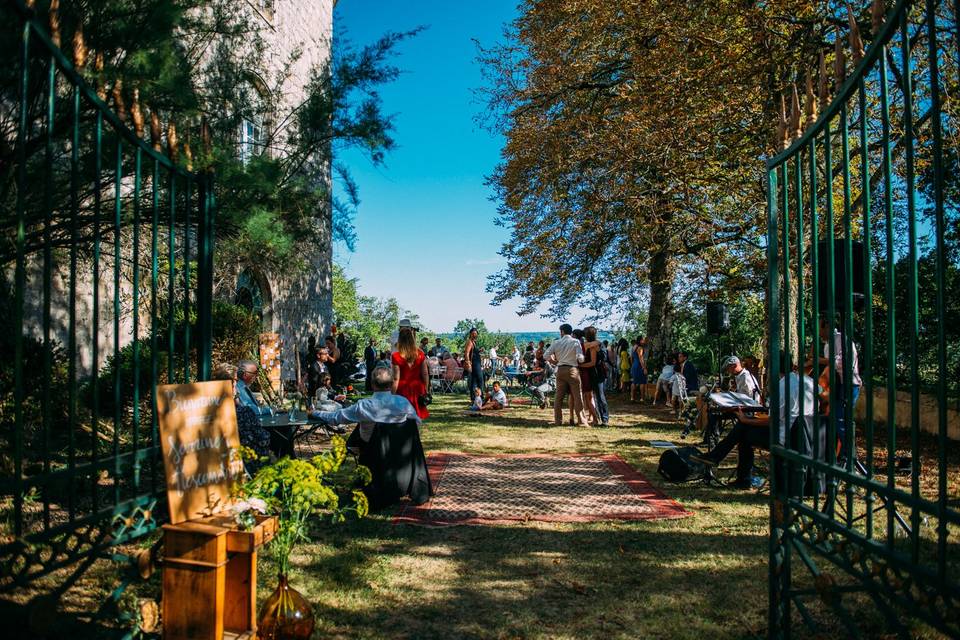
(425, 224)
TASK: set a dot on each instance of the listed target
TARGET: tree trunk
(660, 316)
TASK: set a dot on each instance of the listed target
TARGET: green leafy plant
(296, 490)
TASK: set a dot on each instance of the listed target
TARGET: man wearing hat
(395, 336)
(746, 385)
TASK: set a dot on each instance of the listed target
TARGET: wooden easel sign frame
(201, 447)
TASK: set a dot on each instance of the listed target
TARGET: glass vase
(286, 615)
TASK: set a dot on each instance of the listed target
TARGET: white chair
(436, 377)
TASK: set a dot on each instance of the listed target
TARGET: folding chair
(451, 376)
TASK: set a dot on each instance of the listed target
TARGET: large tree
(635, 132)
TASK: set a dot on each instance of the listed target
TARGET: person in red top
(410, 373)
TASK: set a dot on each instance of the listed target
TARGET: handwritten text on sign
(200, 443)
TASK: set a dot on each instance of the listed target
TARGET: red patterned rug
(473, 489)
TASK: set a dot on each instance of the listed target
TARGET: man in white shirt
(567, 353)
(841, 384)
(746, 383)
(382, 407)
(754, 431)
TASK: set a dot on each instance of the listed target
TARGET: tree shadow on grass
(605, 580)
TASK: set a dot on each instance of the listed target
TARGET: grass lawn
(704, 576)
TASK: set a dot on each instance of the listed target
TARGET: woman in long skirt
(638, 369)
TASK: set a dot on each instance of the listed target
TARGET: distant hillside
(523, 337)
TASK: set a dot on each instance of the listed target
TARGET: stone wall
(300, 305)
(929, 412)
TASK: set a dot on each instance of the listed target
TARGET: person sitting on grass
(477, 400)
(496, 399)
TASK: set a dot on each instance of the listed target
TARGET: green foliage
(746, 335)
(235, 335)
(33, 380)
(366, 318)
(295, 490)
(926, 337)
(261, 236)
(502, 342)
(193, 60)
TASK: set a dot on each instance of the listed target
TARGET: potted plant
(296, 490)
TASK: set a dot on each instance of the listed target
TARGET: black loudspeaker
(718, 318)
(839, 275)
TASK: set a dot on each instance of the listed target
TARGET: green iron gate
(109, 243)
(862, 218)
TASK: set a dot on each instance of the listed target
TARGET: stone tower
(301, 305)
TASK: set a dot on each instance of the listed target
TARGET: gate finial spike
(79, 48)
(98, 67)
(136, 114)
(118, 101)
(55, 22)
(206, 141)
(877, 12)
(188, 152)
(795, 129)
(811, 103)
(856, 42)
(824, 83)
(155, 131)
(839, 61)
(172, 140)
(782, 135)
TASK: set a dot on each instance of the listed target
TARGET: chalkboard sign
(201, 447)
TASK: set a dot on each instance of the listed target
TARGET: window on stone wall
(253, 293)
(251, 138)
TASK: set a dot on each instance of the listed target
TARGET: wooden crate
(210, 578)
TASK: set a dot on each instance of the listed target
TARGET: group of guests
(322, 362)
(581, 366)
(632, 371)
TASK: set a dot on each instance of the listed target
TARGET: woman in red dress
(410, 374)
